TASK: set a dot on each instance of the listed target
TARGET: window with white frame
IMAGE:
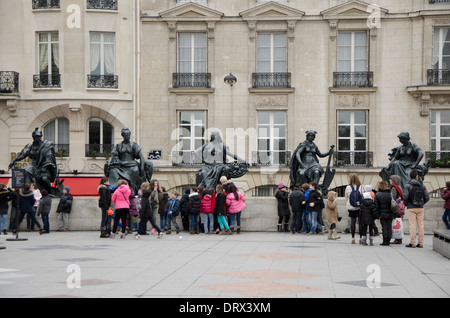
(271, 136)
(441, 48)
(271, 53)
(192, 61)
(47, 60)
(191, 136)
(100, 137)
(352, 137)
(440, 130)
(102, 53)
(57, 131)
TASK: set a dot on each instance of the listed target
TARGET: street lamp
(230, 79)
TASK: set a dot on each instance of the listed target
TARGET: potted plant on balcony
(444, 162)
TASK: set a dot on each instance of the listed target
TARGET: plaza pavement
(256, 265)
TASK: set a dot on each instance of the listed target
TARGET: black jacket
(45, 205)
(146, 207)
(383, 204)
(5, 197)
(283, 203)
(65, 203)
(368, 212)
(219, 208)
(26, 201)
(295, 199)
(105, 197)
(314, 197)
(184, 205)
(194, 204)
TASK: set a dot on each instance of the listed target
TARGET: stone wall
(259, 215)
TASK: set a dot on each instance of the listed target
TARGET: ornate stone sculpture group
(304, 164)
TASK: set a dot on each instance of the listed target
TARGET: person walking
(295, 201)
(383, 200)
(351, 192)
(333, 215)
(282, 196)
(121, 199)
(219, 210)
(104, 203)
(26, 203)
(235, 202)
(44, 207)
(415, 196)
(446, 196)
(64, 208)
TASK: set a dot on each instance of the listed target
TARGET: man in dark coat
(295, 199)
(26, 202)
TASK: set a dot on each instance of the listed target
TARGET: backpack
(417, 196)
(355, 197)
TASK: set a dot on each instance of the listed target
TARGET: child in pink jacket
(235, 203)
(207, 208)
(121, 199)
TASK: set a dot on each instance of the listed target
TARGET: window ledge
(191, 90)
(271, 90)
(346, 89)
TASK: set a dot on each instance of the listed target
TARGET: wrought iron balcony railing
(45, 4)
(185, 158)
(438, 1)
(353, 79)
(271, 158)
(268, 80)
(9, 82)
(98, 150)
(62, 150)
(47, 81)
(353, 159)
(103, 81)
(438, 77)
(102, 4)
(200, 80)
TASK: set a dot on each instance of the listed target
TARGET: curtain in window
(441, 48)
(50, 132)
(55, 54)
(352, 52)
(192, 53)
(63, 131)
(271, 53)
(95, 54)
(43, 53)
(108, 39)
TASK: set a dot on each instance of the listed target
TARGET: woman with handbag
(121, 199)
(383, 201)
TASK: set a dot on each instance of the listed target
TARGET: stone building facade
(357, 72)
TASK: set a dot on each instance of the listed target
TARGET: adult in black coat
(282, 195)
(146, 214)
(26, 202)
(382, 200)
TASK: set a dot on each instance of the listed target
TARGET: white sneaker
(160, 234)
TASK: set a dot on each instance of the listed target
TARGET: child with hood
(44, 207)
(332, 215)
(368, 214)
(64, 208)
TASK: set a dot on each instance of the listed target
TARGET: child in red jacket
(207, 208)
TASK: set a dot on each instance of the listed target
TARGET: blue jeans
(45, 222)
(4, 222)
(446, 218)
(236, 216)
(306, 219)
(163, 221)
(172, 219)
(194, 220)
(208, 222)
(314, 224)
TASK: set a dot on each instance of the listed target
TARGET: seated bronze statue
(123, 164)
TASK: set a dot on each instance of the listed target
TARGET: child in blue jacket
(173, 211)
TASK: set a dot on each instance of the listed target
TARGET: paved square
(251, 264)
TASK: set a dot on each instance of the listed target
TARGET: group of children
(30, 203)
(201, 210)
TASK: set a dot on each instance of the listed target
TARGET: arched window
(57, 131)
(100, 140)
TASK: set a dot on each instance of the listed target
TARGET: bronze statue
(214, 156)
(122, 164)
(403, 159)
(42, 170)
(304, 165)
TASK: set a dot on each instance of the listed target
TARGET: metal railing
(353, 159)
(438, 77)
(9, 82)
(47, 81)
(45, 4)
(271, 158)
(102, 4)
(98, 150)
(268, 80)
(353, 79)
(438, 1)
(201, 80)
(103, 81)
(62, 150)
